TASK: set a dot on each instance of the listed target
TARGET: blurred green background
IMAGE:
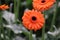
(14, 31)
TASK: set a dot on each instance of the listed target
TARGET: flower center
(43, 1)
(34, 18)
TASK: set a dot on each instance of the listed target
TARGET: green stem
(54, 16)
(0, 22)
(30, 35)
(43, 33)
(1, 26)
(18, 4)
(9, 31)
(15, 11)
(43, 30)
(16, 8)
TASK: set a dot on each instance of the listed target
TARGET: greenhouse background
(12, 28)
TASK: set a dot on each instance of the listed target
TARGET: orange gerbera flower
(43, 4)
(3, 7)
(33, 20)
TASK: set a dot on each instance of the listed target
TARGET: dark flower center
(43, 1)
(34, 18)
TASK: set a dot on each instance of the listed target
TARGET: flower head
(33, 20)
(43, 4)
(3, 7)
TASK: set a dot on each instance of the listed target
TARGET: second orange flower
(43, 4)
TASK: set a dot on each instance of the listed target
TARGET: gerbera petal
(38, 26)
(41, 24)
(30, 26)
